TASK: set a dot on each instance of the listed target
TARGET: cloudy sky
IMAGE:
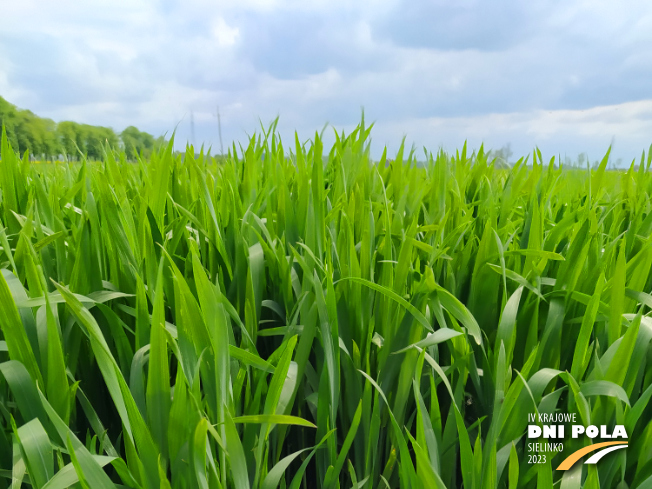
(567, 76)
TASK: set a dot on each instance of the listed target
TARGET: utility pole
(219, 130)
(192, 128)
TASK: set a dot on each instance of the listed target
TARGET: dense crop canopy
(295, 317)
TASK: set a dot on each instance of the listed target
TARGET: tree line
(44, 139)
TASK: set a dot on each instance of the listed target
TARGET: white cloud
(566, 75)
(225, 35)
(556, 132)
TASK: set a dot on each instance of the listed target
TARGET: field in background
(319, 322)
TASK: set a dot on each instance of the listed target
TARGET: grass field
(320, 322)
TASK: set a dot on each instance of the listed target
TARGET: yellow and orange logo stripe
(609, 446)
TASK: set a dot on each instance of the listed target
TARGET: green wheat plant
(304, 317)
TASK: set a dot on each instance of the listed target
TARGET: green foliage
(42, 138)
(28, 131)
(138, 143)
(81, 138)
(284, 319)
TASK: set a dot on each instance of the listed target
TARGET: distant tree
(109, 137)
(97, 137)
(136, 142)
(93, 142)
(503, 154)
(45, 139)
(51, 146)
(158, 142)
(69, 136)
(27, 131)
(8, 116)
(37, 135)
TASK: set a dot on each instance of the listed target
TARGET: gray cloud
(438, 70)
(457, 25)
(289, 46)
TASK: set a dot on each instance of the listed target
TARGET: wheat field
(294, 316)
